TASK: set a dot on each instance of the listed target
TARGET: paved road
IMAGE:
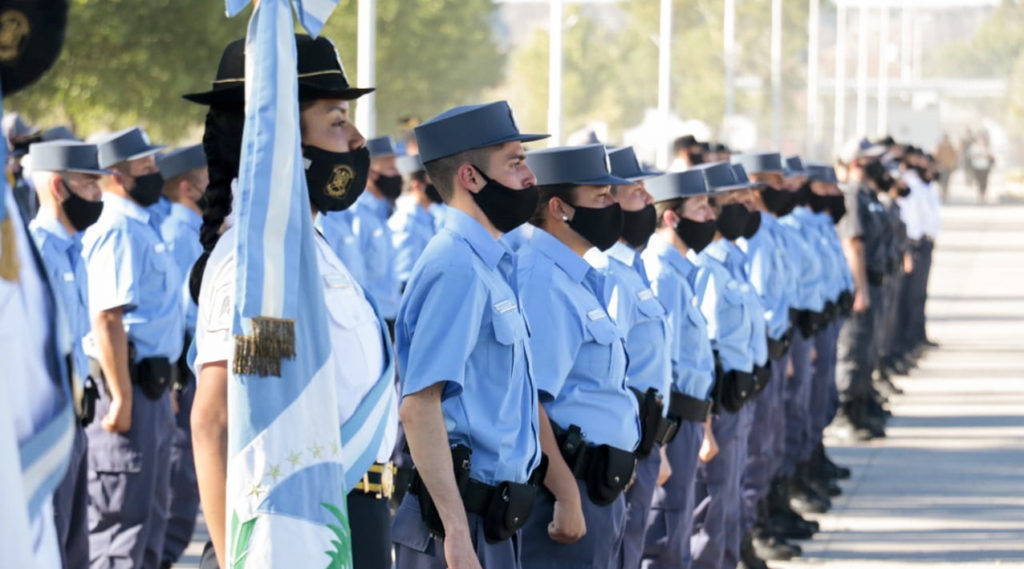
(947, 485)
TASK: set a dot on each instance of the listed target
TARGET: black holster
(428, 511)
(846, 303)
(735, 388)
(606, 470)
(651, 406)
(90, 394)
(154, 376)
(762, 376)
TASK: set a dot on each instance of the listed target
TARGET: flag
(286, 490)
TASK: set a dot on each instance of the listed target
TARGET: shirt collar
(115, 203)
(669, 254)
(489, 249)
(573, 265)
(46, 221)
(717, 250)
(622, 253)
(187, 216)
(371, 201)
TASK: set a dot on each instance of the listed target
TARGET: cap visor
(604, 181)
(644, 175)
(234, 95)
(734, 188)
(98, 172)
(152, 150)
(309, 92)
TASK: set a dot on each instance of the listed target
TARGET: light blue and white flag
(286, 489)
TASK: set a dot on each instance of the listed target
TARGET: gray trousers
(638, 508)
(600, 548)
(129, 481)
(856, 351)
(824, 394)
(797, 400)
(71, 506)
(716, 517)
(889, 320)
(767, 427)
(416, 549)
(670, 522)
(184, 490)
(914, 297)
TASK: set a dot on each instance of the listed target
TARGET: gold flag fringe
(8, 251)
(260, 354)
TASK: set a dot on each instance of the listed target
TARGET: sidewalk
(946, 487)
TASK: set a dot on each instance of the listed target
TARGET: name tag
(596, 314)
(645, 294)
(160, 247)
(505, 306)
(68, 277)
(336, 280)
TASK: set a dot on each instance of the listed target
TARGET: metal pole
(883, 74)
(813, 141)
(664, 78)
(906, 39)
(918, 46)
(776, 58)
(557, 9)
(862, 72)
(366, 57)
(729, 47)
(839, 126)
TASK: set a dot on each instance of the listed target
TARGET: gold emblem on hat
(14, 29)
(341, 179)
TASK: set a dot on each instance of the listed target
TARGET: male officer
(685, 225)
(588, 417)
(736, 327)
(138, 327)
(66, 176)
(19, 136)
(185, 179)
(900, 263)
(865, 234)
(643, 322)
(463, 352)
(413, 223)
(774, 278)
(370, 226)
(36, 431)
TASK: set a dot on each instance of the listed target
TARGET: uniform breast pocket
(650, 308)
(599, 346)
(734, 313)
(346, 307)
(510, 332)
(155, 283)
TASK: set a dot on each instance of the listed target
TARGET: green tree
(431, 54)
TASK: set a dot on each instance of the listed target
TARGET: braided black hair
(222, 143)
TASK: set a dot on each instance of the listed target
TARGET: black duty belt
(685, 408)
(777, 348)
(152, 375)
(379, 481)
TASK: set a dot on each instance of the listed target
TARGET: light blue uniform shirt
(800, 238)
(518, 237)
(835, 261)
(845, 274)
(62, 256)
(672, 277)
(336, 227)
(769, 271)
(411, 229)
(578, 350)
(159, 211)
(437, 211)
(180, 231)
(730, 304)
(370, 225)
(129, 265)
(460, 324)
(641, 318)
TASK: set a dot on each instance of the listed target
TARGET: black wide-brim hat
(31, 39)
(321, 74)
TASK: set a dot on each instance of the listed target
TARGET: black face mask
(818, 203)
(335, 180)
(753, 224)
(732, 221)
(696, 234)
(638, 226)
(390, 186)
(504, 207)
(81, 212)
(803, 195)
(433, 194)
(779, 202)
(601, 226)
(903, 191)
(836, 208)
(147, 189)
(695, 158)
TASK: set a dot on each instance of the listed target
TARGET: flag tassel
(260, 353)
(8, 251)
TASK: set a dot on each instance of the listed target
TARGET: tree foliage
(127, 62)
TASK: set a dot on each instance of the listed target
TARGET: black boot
(803, 498)
(851, 424)
(834, 470)
(819, 479)
(774, 548)
(748, 557)
(782, 520)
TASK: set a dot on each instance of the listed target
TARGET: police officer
(774, 278)
(685, 225)
(19, 136)
(643, 322)
(414, 222)
(463, 353)
(865, 232)
(36, 432)
(736, 327)
(138, 327)
(900, 263)
(185, 180)
(370, 226)
(66, 175)
(588, 418)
